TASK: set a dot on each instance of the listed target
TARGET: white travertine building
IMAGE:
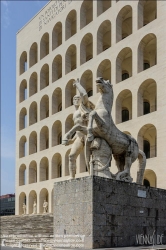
(123, 41)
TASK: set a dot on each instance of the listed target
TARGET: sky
(14, 15)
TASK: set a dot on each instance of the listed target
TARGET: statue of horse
(124, 147)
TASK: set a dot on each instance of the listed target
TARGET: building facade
(123, 41)
(7, 204)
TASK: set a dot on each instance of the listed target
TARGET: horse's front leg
(69, 134)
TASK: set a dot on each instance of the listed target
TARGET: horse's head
(104, 86)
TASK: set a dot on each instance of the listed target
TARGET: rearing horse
(124, 147)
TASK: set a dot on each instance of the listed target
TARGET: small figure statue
(24, 208)
(34, 207)
(20, 244)
(3, 243)
(45, 206)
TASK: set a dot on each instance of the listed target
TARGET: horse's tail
(141, 167)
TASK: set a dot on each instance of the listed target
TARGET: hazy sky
(14, 15)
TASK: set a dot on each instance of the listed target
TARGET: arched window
(23, 90)
(33, 113)
(44, 107)
(44, 169)
(33, 143)
(86, 13)
(71, 24)
(44, 76)
(146, 107)
(104, 36)
(146, 150)
(86, 48)
(23, 62)
(33, 172)
(56, 101)
(33, 55)
(44, 45)
(56, 170)
(57, 35)
(23, 119)
(33, 84)
(147, 140)
(71, 59)
(56, 133)
(22, 175)
(147, 52)
(22, 147)
(147, 97)
(146, 183)
(124, 23)
(124, 106)
(57, 68)
(124, 65)
(125, 115)
(44, 138)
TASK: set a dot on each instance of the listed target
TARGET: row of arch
(147, 12)
(146, 103)
(147, 139)
(32, 87)
(147, 57)
(45, 170)
(39, 199)
(56, 138)
(150, 179)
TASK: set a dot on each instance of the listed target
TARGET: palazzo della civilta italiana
(70, 42)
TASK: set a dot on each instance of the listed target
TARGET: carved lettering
(57, 7)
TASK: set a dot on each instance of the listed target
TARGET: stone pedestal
(96, 212)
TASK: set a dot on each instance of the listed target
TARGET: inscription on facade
(50, 13)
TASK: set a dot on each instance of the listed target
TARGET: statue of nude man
(83, 106)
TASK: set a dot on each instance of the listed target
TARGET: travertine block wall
(52, 60)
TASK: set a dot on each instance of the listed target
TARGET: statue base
(95, 212)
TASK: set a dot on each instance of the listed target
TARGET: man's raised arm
(82, 91)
